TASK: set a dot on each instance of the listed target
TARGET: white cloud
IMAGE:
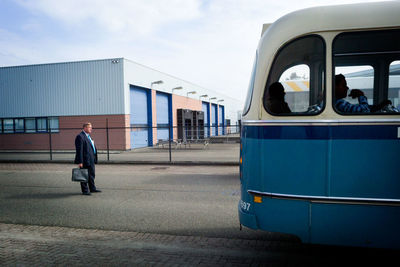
(210, 43)
(117, 15)
(14, 52)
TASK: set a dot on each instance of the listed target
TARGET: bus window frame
(250, 90)
(323, 77)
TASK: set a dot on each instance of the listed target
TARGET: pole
(51, 149)
(169, 143)
(108, 143)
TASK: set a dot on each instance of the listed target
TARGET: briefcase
(80, 175)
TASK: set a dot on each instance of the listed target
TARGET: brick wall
(70, 126)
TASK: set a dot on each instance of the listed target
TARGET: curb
(113, 162)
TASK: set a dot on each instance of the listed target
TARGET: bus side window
(299, 68)
(369, 62)
(358, 77)
(394, 84)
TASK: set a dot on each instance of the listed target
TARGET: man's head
(276, 91)
(87, 127)
(340, 86)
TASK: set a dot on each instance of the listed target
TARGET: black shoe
(96, 191)
(86, 193)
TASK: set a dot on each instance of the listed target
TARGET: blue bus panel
(329, 163)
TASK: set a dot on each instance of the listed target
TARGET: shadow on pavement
(43, 196)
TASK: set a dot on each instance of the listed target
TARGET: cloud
(12, 50)
(141, 17)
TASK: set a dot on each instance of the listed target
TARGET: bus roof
(337, 18)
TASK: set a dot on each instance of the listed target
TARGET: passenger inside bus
(276, 100)
(343, 106)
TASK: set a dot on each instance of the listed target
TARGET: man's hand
(80, 165)
(356, 93)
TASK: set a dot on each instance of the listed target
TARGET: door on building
(221, 120)
(206, 110)
(163, 104)
(214, 119)
(141, 134)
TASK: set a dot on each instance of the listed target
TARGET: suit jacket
(84, 151)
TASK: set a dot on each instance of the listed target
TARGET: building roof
(394, 70)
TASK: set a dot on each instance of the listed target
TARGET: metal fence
(135, 144)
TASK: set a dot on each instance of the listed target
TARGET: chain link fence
(135, 144)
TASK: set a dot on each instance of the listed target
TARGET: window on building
(8, 125)
(19, 125)
(394, 83)
(1, 125)
(30, 125)
(54, 124)
(369, 61)
(298, 68)
(41, 125)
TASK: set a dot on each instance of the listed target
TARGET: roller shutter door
(214, 119)
(139, 117)
(206, 110)
(163, 115)
(221, 120)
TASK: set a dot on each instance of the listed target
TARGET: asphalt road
(178, 200)
(168, 215)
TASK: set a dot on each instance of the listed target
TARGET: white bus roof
(337, 18)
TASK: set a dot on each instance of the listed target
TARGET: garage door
(221, 120)
(140, 117)
(214, 119)
(206, 110)
(163, 115)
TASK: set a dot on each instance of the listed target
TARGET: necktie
(91, 141)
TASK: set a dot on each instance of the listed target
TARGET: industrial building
(132, 105)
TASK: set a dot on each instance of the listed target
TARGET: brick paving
(27, 245)
(22, 245)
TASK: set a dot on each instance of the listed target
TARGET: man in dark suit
(86, 157)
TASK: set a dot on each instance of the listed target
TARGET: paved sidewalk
(22, 245)
(42, 245)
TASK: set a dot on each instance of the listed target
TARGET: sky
(210, 43)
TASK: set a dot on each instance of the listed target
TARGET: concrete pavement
(179, 200)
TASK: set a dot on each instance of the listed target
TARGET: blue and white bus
(324, 175)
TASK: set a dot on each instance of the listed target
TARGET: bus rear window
(295, 83)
